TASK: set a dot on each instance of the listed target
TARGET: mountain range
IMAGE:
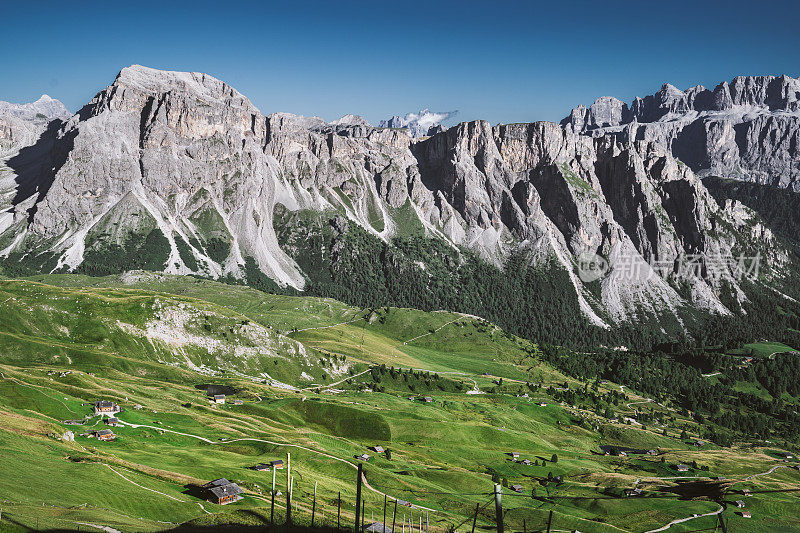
(179, 172)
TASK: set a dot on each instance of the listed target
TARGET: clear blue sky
(500, 61)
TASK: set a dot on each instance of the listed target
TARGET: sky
(499, 61)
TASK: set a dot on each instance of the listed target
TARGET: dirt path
(143, 487)
(432, 332)
(329, 385)
(682, 520)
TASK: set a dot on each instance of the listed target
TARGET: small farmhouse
(516, 488)
(222, 491)
(261, 467)
(217, 398)
(682, 468)
(237, 401)
(112, 421)
(104, 434)
(362, 457)
(377, 527)
(105, 407)
(377, 449)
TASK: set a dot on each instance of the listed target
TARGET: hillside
(489, 391)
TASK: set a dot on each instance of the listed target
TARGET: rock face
(747, 129)
(187, 157)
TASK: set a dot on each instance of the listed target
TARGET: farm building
(377, 449)
(222, 491)
(261, 467)
(526, 462)
(217, 398)
(633, 492)
(516, 488)
(377, 527)
(362, 457)
(682, 468)
(237, 401)
(427, 399)
(740, 504)
(104, 434)
(514, 455)
(105, 407)
(746, 514)
(113, 421)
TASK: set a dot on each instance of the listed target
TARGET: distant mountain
(179, 172)
(423, 123)
(21, 124)
(747, 129)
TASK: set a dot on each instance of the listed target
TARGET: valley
(351, 378)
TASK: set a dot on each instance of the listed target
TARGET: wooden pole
(394, 514)
(288, 489)
(427, 522)
(498, 506)
(338, 510)
(384, 514)
(524, 526)
(363, 513)
(411, 521)
(549, 520)
(314, 505)
(272, 510)
(358, 499)
(475, 519)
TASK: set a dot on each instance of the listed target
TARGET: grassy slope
(443, 454)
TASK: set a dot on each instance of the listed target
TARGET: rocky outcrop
(186, 156)
(747, 129)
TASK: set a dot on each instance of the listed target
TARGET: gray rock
(748, 129)
(189, 155)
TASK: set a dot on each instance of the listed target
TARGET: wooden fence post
(498, 506)
(288, 489)
(358, 500)
(475, 519)
(314, 505)
(338, 510)
(394, 514)
(384, 514)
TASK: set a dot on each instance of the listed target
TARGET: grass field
(61, 348)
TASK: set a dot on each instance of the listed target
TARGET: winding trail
(142, 486)
(682, 520)
(432, 332)
(329, 385)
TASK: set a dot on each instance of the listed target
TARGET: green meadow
(312, 386)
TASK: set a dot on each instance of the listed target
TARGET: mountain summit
(179, 172)
(747, 129)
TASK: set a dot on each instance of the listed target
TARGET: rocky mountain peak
(748, 128)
